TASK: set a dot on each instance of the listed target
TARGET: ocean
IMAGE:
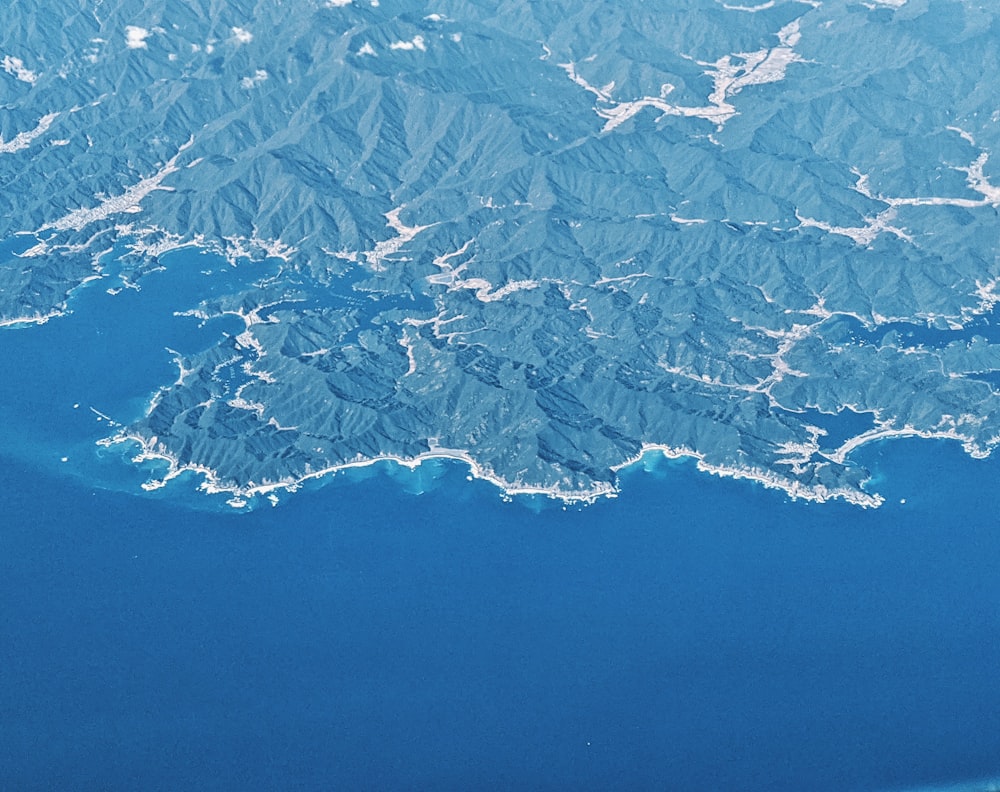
(390, 629)
(693, 634)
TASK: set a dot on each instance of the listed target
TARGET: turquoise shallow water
(695, 633)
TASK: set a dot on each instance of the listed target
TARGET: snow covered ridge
(540, 239)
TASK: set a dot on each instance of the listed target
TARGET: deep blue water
(694, 634)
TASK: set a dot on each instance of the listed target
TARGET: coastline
(37, 319)
(886, 433)
(796, 490)
(152, 450)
